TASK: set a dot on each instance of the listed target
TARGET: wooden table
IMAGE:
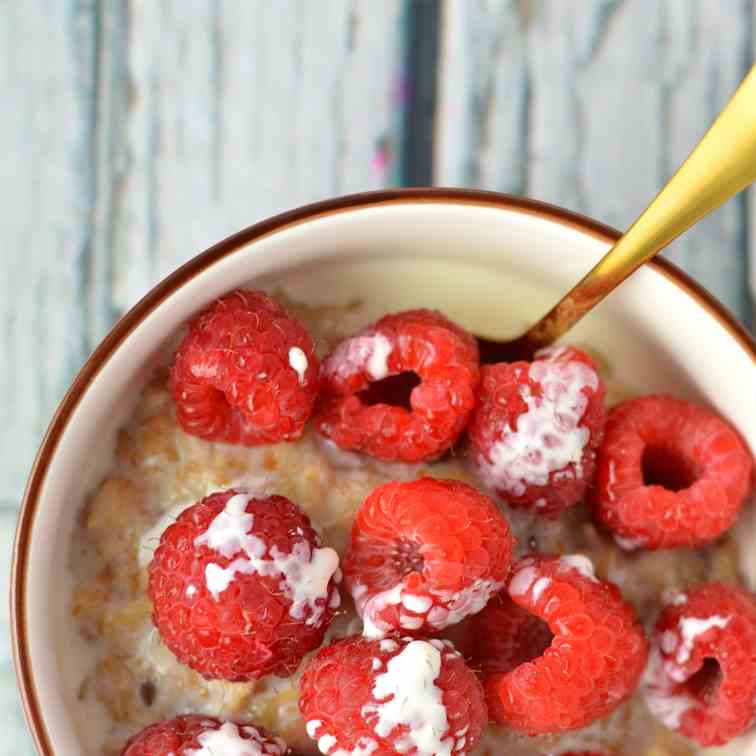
(137, 133)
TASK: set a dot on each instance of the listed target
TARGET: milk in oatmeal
(159, 470)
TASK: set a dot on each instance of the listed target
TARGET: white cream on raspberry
(539, 587)
(371, 607)
(528, 576)
(326, 742)
(369, 353)
(549, 437)
(522, 580)
(377, 364)
(440, 609)
(661, 679)
(306, 572)
(151, 538)
(690, 629)
(579, 562)
(418, 604)
(228, 740)
(664, 702)
(298, 362)
(407, 695)
(410, 621)
(456, 606)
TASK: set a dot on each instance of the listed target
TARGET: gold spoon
(722, 164)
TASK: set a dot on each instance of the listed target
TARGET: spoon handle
(721, 165)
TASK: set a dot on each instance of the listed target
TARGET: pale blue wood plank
(241, 110)
(15, 739)
(46, 76)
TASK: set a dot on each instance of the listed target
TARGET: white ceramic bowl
(492, 262)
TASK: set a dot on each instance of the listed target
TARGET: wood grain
(47, 137)
(595, 109)
(237, 111)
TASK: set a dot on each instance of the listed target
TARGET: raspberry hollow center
(705, 683)
(538, 640)
(668, 468)
(394, 390)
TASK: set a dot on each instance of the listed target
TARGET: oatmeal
(159, 470)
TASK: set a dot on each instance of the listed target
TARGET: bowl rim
(194, 267)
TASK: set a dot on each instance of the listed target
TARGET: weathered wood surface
(137, 133)
(46, 75)
(592, 105)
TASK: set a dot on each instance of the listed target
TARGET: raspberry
(420, 344)
(535, 430)
(425, 554)
(595, 658)
(193, 735)
(246, 372)
(701, 681)
(241, 587)
(390, 697)
(670, 473)
(501, 637)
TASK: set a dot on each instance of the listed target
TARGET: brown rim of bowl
(203, 261)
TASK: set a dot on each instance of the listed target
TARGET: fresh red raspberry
(355, 414)
(392, 697)
(535, 430)
(241, 587)
(246, 372)
(595, 659)
(670, 473)
(501, 637)
(194, 735)
(425, 554)
(701, 681)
